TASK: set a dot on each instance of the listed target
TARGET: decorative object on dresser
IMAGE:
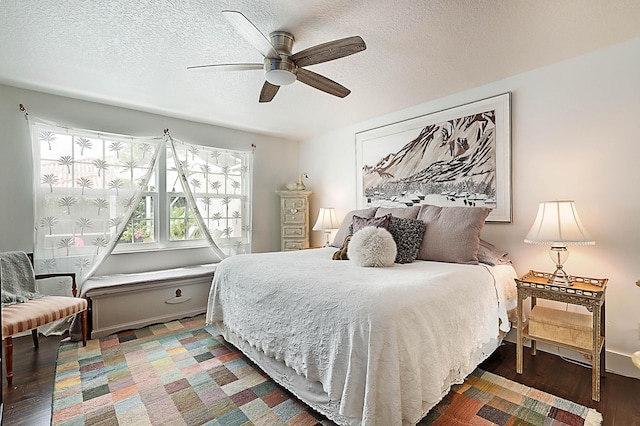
(558, 224)
(297, 186)
(582, 333)
(326, 222)
(294, 219)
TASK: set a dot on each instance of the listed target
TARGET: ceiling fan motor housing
(282, 41)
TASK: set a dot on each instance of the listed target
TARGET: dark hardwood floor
(28, 400)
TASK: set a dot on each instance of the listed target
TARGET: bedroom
(574, 133)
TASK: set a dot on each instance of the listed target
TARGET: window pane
(141, 229)
(183, 225)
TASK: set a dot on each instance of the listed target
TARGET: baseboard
(616, 362)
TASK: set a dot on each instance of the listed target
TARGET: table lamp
(326, 222)
(558, 224)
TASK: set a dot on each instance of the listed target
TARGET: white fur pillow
(372, 246)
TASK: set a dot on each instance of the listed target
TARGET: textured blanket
(363, 332)
(17, 278)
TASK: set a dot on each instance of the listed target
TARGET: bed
(362, 346)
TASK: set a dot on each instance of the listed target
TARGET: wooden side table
(588, 292)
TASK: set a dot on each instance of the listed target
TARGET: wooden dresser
(294, 219)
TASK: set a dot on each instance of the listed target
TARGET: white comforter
(384, 342)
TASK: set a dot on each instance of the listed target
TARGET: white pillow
(372, 246)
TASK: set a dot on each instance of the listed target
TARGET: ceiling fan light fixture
(279, 72)
(280, 77)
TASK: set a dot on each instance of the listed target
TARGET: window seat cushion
(185, 272)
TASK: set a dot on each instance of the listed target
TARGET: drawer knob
(293, 211)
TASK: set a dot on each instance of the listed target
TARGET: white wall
(275, 163)
(575, 135)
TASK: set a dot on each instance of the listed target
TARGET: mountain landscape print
(453, 162)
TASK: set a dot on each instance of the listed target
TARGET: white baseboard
(616, 362)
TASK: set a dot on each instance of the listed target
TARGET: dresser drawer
(293, 244)
(297, 217)
(293, 203)
(293, 231)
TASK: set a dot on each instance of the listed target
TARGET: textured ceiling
(135, 53)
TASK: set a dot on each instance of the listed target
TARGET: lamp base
(560, 277)
(559, 254)
(327, 244)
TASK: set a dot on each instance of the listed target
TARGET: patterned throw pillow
(342, 253)
(408, 234)
(379, 222)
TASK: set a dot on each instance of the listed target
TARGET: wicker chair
(34, 313)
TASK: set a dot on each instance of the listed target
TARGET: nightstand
(565, 329)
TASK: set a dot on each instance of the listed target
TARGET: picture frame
(459, 156)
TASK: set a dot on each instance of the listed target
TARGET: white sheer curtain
(87, 187)
(217, 184)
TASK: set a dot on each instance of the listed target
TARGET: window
(87, 182)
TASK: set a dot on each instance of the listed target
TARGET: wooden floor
(28, 401)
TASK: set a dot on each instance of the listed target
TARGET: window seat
(128, 301)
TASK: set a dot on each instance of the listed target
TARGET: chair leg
(84, 328)
(34, 335)
(8, 355)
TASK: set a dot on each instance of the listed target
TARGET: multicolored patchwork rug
(179, 373)
(487, 399)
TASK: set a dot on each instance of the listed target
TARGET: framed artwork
(456, 157)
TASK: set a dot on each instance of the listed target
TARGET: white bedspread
(379, 340)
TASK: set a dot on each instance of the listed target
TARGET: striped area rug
(179, 373)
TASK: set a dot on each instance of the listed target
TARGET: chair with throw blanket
(24, 308)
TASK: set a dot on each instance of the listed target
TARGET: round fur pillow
(372, 246)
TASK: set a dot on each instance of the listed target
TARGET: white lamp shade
(558, 222)
(327, 220)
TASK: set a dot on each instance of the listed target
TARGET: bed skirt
(312, 393)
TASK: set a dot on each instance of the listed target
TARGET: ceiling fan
(280, 66)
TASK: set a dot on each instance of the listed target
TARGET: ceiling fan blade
(230, 67)
(251, 33)
(329, 51)
(322, 83)
(268, 92)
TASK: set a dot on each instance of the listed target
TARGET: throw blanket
(381, 341)
(17, 278)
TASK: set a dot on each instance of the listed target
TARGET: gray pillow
(407, 212)
(452, 233)
(491, 255)
(408, 234)
(342, 233)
